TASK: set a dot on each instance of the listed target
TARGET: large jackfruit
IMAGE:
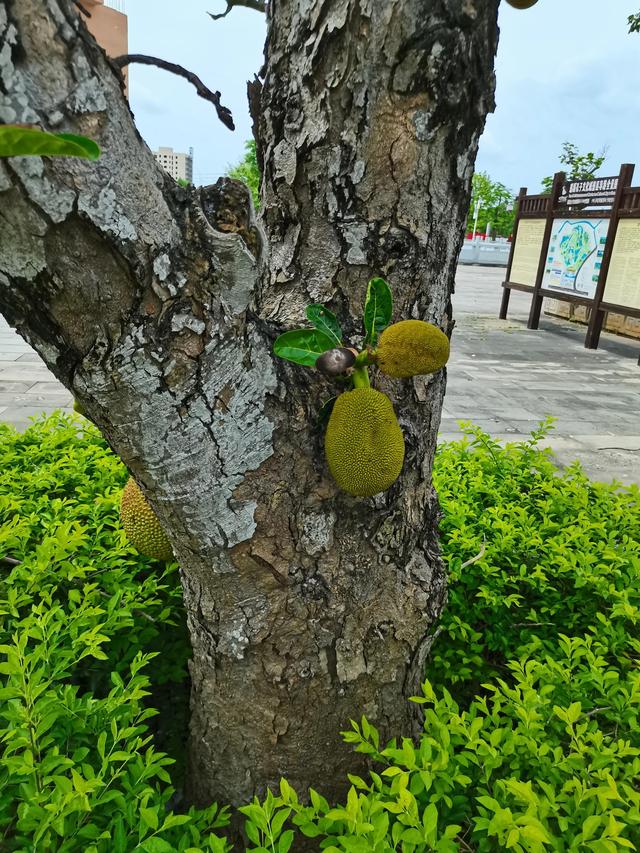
(141, 524)
(412, 348)
(364, 444)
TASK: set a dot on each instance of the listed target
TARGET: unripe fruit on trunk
(412, 348)
(141, 524)
(364, 444)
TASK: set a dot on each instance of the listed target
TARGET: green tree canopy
(579, 167)
(496, 205)
(247, 171)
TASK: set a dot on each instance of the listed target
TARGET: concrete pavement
(502, 376)
(27, 387)
(507, 378)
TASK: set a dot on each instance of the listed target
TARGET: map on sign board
(575, 255)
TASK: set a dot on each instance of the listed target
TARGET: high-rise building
(178, 165)
(107, 23)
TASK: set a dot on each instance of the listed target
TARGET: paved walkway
(506, 378)
(27, 387)
(502, 377)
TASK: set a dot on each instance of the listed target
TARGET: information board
(598, 192)
(574, 257)
(623, 280)
(526, 254)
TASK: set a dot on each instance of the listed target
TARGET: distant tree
(183, 182)
(634, 23)
(496, 205)
(579, 167)
(247, 171)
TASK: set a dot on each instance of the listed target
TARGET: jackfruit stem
(365, 358)
(361, 378)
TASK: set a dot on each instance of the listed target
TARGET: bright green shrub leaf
(430, 818)
(149, 817)
(285, 841)
(19, 141)
(157, 845)
(175, 820)
(302, 346)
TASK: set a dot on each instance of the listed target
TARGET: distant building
(176, 164)
(108, 25)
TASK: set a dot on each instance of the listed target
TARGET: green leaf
(16, 141)
(285, 842)
(150, 817)
(157, 845)
(326, 321)
(590, 826)
(302, 346)
(378, 308)
(279, 821)
(430, 818)
(175, 820)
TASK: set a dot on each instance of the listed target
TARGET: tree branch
(258, 5)
(81, 9)
(224, 114)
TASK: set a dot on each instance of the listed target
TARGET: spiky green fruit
(364, 444)
(141, 524)
(412, 348)
(78, 408)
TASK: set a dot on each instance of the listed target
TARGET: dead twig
(476, 558)
(224, 114)
(10, 561)
(258, 5)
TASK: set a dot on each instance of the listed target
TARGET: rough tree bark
(158, 307)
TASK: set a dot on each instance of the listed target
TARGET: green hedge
(531, 738)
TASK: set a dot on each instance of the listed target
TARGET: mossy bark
(157, 306)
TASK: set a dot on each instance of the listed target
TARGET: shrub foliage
(531, 732)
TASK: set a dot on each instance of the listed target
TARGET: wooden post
(506, 291)
(536, 300)
(596, 321)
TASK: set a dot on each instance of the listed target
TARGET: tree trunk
(158, 307)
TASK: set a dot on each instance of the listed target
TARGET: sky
(567, 70)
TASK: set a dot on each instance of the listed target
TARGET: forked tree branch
(258, 5)
(224, 114)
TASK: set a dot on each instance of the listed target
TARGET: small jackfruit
(364, 444)
(412, 348)
(141, 524)
(78, 408)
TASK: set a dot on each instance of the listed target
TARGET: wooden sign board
(600, 192)
(623, 279)
(590, 259)
(526, 252)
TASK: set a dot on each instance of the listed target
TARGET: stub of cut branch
(224, 113)
(258, 5)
